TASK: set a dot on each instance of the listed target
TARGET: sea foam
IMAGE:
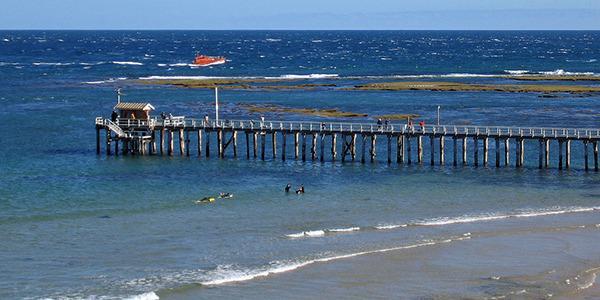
(321, 232)
(144, 296)
(224, 275)
(128, 63)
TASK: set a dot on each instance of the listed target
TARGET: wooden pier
(309, 140)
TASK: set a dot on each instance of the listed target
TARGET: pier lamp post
(438, 115)
(217, 105)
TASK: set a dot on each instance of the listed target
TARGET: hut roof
(134, 106)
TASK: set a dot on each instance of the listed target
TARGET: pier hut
(134, 110)
(133, 128)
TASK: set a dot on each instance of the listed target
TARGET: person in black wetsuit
(288, 187)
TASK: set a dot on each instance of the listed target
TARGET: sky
(305, 14)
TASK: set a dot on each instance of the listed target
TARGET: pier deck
(157, 136)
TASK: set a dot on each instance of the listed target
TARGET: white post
(217, 104)
(119, 95)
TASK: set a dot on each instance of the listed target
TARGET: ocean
(76, 225)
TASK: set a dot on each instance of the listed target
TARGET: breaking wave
(144, 296)
(319, 233)
(451, 220)
(228, 274)
(128, 63)
(110, 80)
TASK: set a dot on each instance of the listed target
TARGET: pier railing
(350, 127)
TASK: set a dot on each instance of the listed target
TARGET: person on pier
(114, 115)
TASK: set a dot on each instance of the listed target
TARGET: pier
(333, 141)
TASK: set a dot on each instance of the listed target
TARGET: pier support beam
(199, 136)
(171, 143)
(353, 147)
(333, 146)
(432, 149)
(296, 138)
(560, 154)
(274, 144)
(161, 139)
(220, 143)
(420, 149)
(476, 151)
(181, 142)
(568, 154)
(595, 144)
(255, 144)
(541, 154)
(585, 155)
(485, 151)
(125, 147)
(313, 146)
(373, 149)
(408, 150)
(283, 145)
(322, 147)
(207, 143)
(546, 153)
(97, 140)
(263, 141)
(247, 145)
(497, 140)
(363, 148)
(234, 140)
(454, 151)
(153, 141)
(442, 151)
(303, 146)
(187, 144)
(522, 153)
(108, 138)
(506, 152)
(464, 150)
(400, 150)
(389, 148)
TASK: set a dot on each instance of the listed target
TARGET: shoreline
(494, 261)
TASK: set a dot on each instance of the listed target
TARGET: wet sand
(548, 258)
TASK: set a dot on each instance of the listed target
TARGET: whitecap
(516, 72)
(309, 76)
(392, 226)
(491, 217)
(563, 72)
(51, 64)
(144, 296)
(314, 233)
(349, 229)
(128, 63)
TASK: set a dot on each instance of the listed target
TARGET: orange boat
(203, 60)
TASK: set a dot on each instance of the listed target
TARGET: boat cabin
(134, 110)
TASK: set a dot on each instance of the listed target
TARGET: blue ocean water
(77, 225)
